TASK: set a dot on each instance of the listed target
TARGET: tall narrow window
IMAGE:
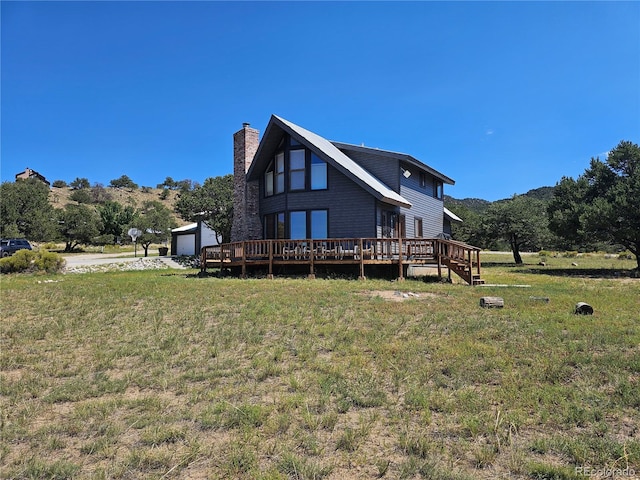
(279, 173)
(280, 230)
(417, 223)
(319, 224)
(296, 170)
(297, 225)
(401, 227)
(318, 173)
(268, 181)
(437, 189)
(270, 226)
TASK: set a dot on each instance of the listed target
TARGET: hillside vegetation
(60, 197)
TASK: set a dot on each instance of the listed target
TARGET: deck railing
(364, 251)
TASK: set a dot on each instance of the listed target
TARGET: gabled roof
(398, 156)
(327, 151)
(452, 216)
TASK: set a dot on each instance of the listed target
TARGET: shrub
(28, 261)
(81, 196)
(60, 184)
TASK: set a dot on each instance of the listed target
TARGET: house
(29, 173)
(189, 239)
(295, 184)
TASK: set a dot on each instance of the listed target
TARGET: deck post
(360, 246)
(244, 259)
(400, 267)
(437, 251)
(478, 260)
(312, 254)
(270, 274)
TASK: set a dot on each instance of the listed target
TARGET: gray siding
(384, 168)
(424, 205)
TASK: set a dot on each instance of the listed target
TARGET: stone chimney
(246, 220)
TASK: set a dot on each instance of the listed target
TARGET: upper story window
(279, 178)
(437, 189)
(295, 169)
(318, 173)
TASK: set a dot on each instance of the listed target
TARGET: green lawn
(162, 374)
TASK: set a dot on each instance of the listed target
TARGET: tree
(521, 221)
(123, 182)
(79, 224)
(79, 183)
(155, 222)
(99, 194)
(25, 210)
(59, 184)
(115, 218)
(212, 203)
(81, 195)
(604, 202)
(169, 183)
(469, 231)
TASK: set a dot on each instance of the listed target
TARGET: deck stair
(463, 270)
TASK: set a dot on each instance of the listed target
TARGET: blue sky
(502, 97)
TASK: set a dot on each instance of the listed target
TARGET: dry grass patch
(156, 375)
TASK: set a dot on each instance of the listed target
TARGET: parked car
(9, 246)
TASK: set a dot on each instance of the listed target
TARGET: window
(301, 224)
(268, 181)
(296, 170)
(298, 225)
(274, 225)
(279, 184)
(417, 224)
(280, 230)
(318, 173)
(319, 224)
(437, 189)
(423, 179)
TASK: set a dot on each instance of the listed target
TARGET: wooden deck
(460, 258)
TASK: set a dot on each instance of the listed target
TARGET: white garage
(189, 239)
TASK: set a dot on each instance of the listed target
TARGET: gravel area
(110, 263)
(139, 264)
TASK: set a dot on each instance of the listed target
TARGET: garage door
(186, 244)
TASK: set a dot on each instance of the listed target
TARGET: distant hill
(542, 193)
(59, 198)
(479, 205)
(474, 204)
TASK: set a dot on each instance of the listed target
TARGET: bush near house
(29, 261)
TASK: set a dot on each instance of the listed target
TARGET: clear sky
(502, 97)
